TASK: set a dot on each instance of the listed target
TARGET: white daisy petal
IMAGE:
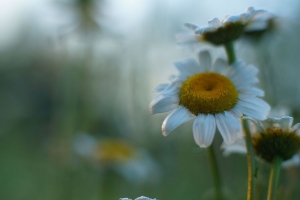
(144, 198)
(215, 23)
(191, 26)
(187, 68)
(220, 65)
(229, 127)
(294, 161)
(296, 128)
(161, 87)
(164, 103)
(239, 146)
(255, 104)
(286, 123)
(204, 129)
(186, 39)
(253, 91)
(205, 60)
(270, 123)
(175, 119)
(247, 111)
(171, 89)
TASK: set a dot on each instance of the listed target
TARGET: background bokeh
(79, 69)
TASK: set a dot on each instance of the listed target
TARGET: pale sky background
(125, 15)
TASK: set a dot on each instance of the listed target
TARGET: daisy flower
(133, 163)
(273, 137)
(216, 97)
(139, 198)
(229, 29)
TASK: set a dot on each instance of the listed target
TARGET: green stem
(274, 176)
(229, 47)
(250, 160)
(215, 172)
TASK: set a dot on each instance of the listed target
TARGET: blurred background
(76, 80)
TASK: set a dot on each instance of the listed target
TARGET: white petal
(144, 198)
(161, 87)
(204, 129)
(191, 26)
(171, 89)
(238, 146)
(232, 19)
(186, 38)
(252, 91)
(296, 128)
(205, 60)
(176, 118)
(242, 75)
(294, 161)
(187, 67)
(254, 125)
(271, 122)
(249, 112)
(229, 127)
(163, 103)
(220, 65)
(257, 26)
(215, 23)
(286, 123)
(253, 107)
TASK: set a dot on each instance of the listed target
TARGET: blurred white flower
(132, 163)
(139, 198)
(271, 137)
(216, 97)
(229, 29)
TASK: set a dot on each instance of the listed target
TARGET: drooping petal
(229, 127)
(176, 118)
(163, 103)
(204, 129)
(205, 60)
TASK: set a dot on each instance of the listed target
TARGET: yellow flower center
(208, 93)
(114, 150)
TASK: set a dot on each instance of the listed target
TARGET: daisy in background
(271, 138)
(229, 29)
(139, 198)
(215, 96)
(132, 163)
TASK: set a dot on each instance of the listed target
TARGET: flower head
(139, 198)
(216, 97)
(133, 163)
(261, 23)
(229, 29)
(271, 138)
